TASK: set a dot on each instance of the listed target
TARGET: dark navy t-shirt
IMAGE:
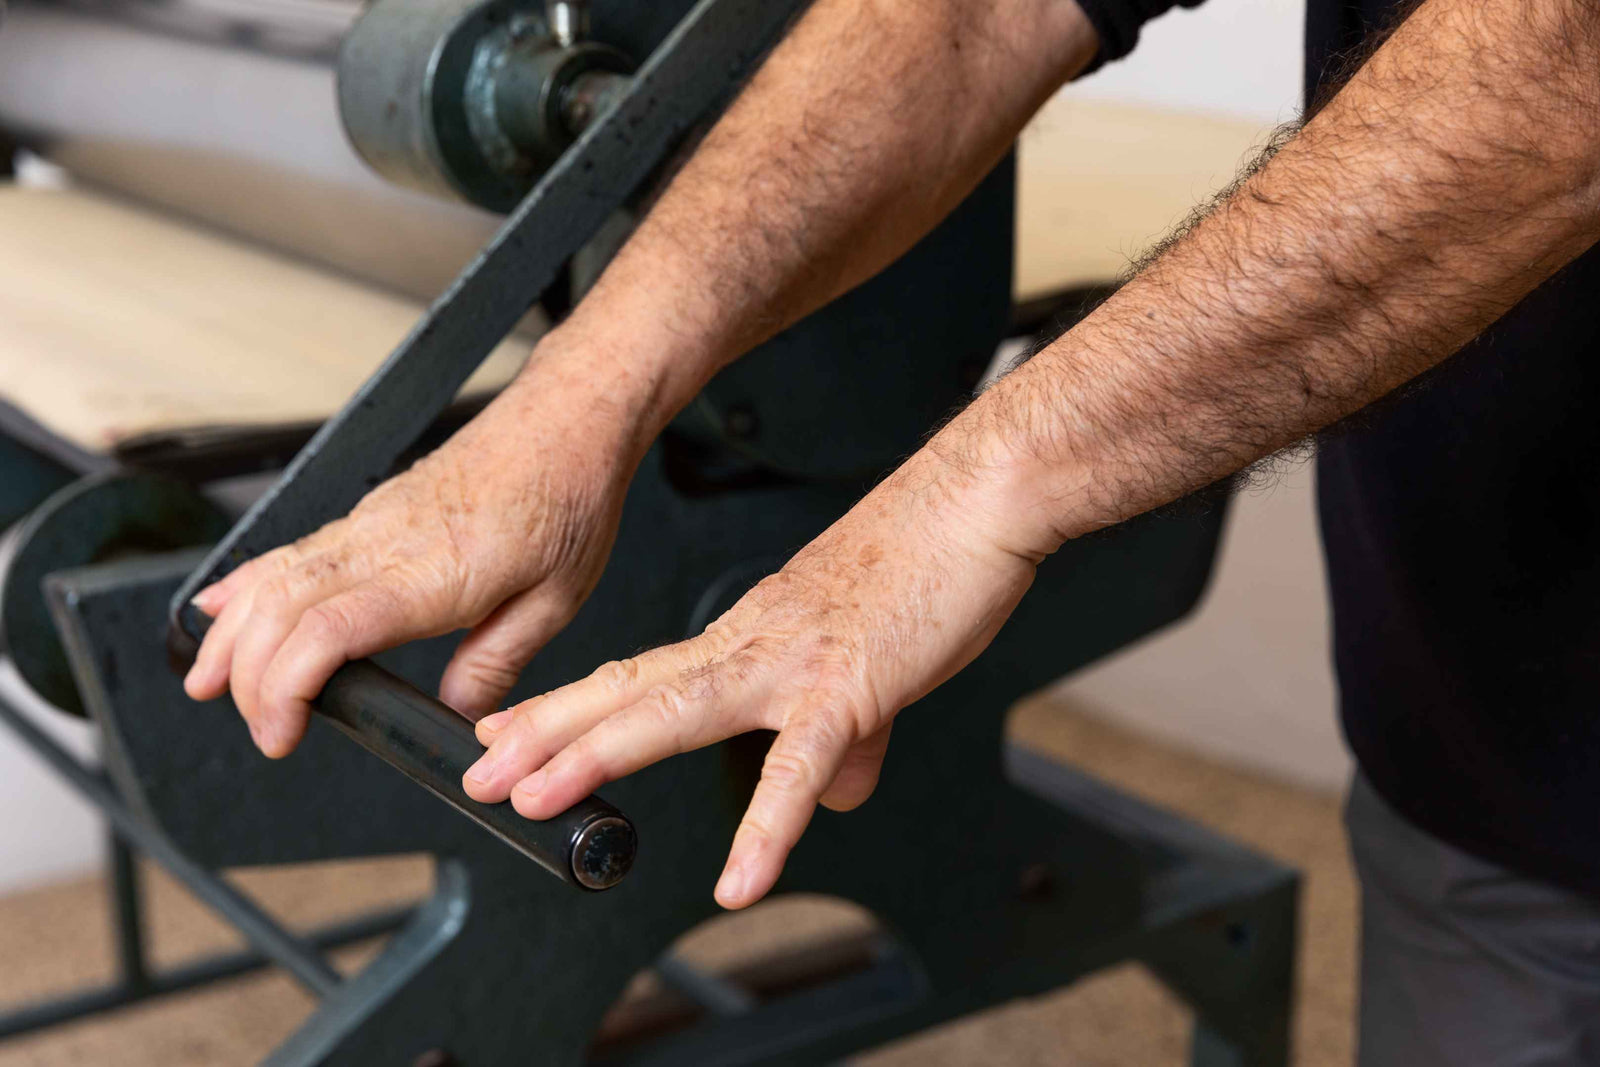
(1461, 520)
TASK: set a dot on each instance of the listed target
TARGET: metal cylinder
(462, 97)
(532, 89)
(591, 845)
(568, 20)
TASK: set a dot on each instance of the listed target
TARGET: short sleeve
(1117, 23)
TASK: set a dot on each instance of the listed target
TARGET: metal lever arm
(695, 69)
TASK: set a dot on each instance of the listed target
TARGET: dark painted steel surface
(947, 854)
(465, 98)
(92, 519)
(29, 1018)
(273, 941)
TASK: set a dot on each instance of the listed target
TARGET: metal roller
(93, 520)
(470, 99)
(591, 845)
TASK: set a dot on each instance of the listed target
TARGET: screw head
(1036, 882)
(603, 852)
(740, 422)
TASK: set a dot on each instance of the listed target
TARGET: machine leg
(127, 914)
(1235, 967)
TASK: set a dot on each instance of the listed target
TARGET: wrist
(618, 391)
(1011, 491)
(639, 371)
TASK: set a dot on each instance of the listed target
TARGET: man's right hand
(504, 530)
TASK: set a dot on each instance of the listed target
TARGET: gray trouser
(1464, 964)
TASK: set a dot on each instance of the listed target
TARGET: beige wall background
(1247, 678)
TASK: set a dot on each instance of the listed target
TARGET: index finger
(711, 705)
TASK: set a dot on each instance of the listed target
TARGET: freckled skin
(1458, 169)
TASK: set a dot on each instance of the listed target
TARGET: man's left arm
(1458, 169)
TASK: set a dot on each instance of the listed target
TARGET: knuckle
(492, 672)
(788, 771)
(671, 711)
(754, 834)
(527, 727)
(327, 621)
(666, 702)
(274, 593)
(719, 634)
(619, 675)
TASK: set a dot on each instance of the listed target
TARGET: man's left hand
(894, 598)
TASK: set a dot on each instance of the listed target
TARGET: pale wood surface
(1099, 182)
(116, 322)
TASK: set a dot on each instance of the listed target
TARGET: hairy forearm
(1455, 172)
(866, 126)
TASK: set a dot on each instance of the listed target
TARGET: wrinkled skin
(893, 599)
(504, 530)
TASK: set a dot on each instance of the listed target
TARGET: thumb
(858, 776)
(489, 659)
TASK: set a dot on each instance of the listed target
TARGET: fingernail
(203, 598)
(480, 773)
(532, 785)
(496, 722)
(730, 887)
(267, 737)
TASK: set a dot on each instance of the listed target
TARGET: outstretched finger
(486, 663)
(539, 728)
(671, 718)
(800, 765)
(214, 597)
(230, 603)
(276, 607)
(858, 776)
(208, 675)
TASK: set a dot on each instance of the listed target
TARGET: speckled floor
(55, 938)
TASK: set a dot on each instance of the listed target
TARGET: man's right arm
(869, 124)
(865, 127)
